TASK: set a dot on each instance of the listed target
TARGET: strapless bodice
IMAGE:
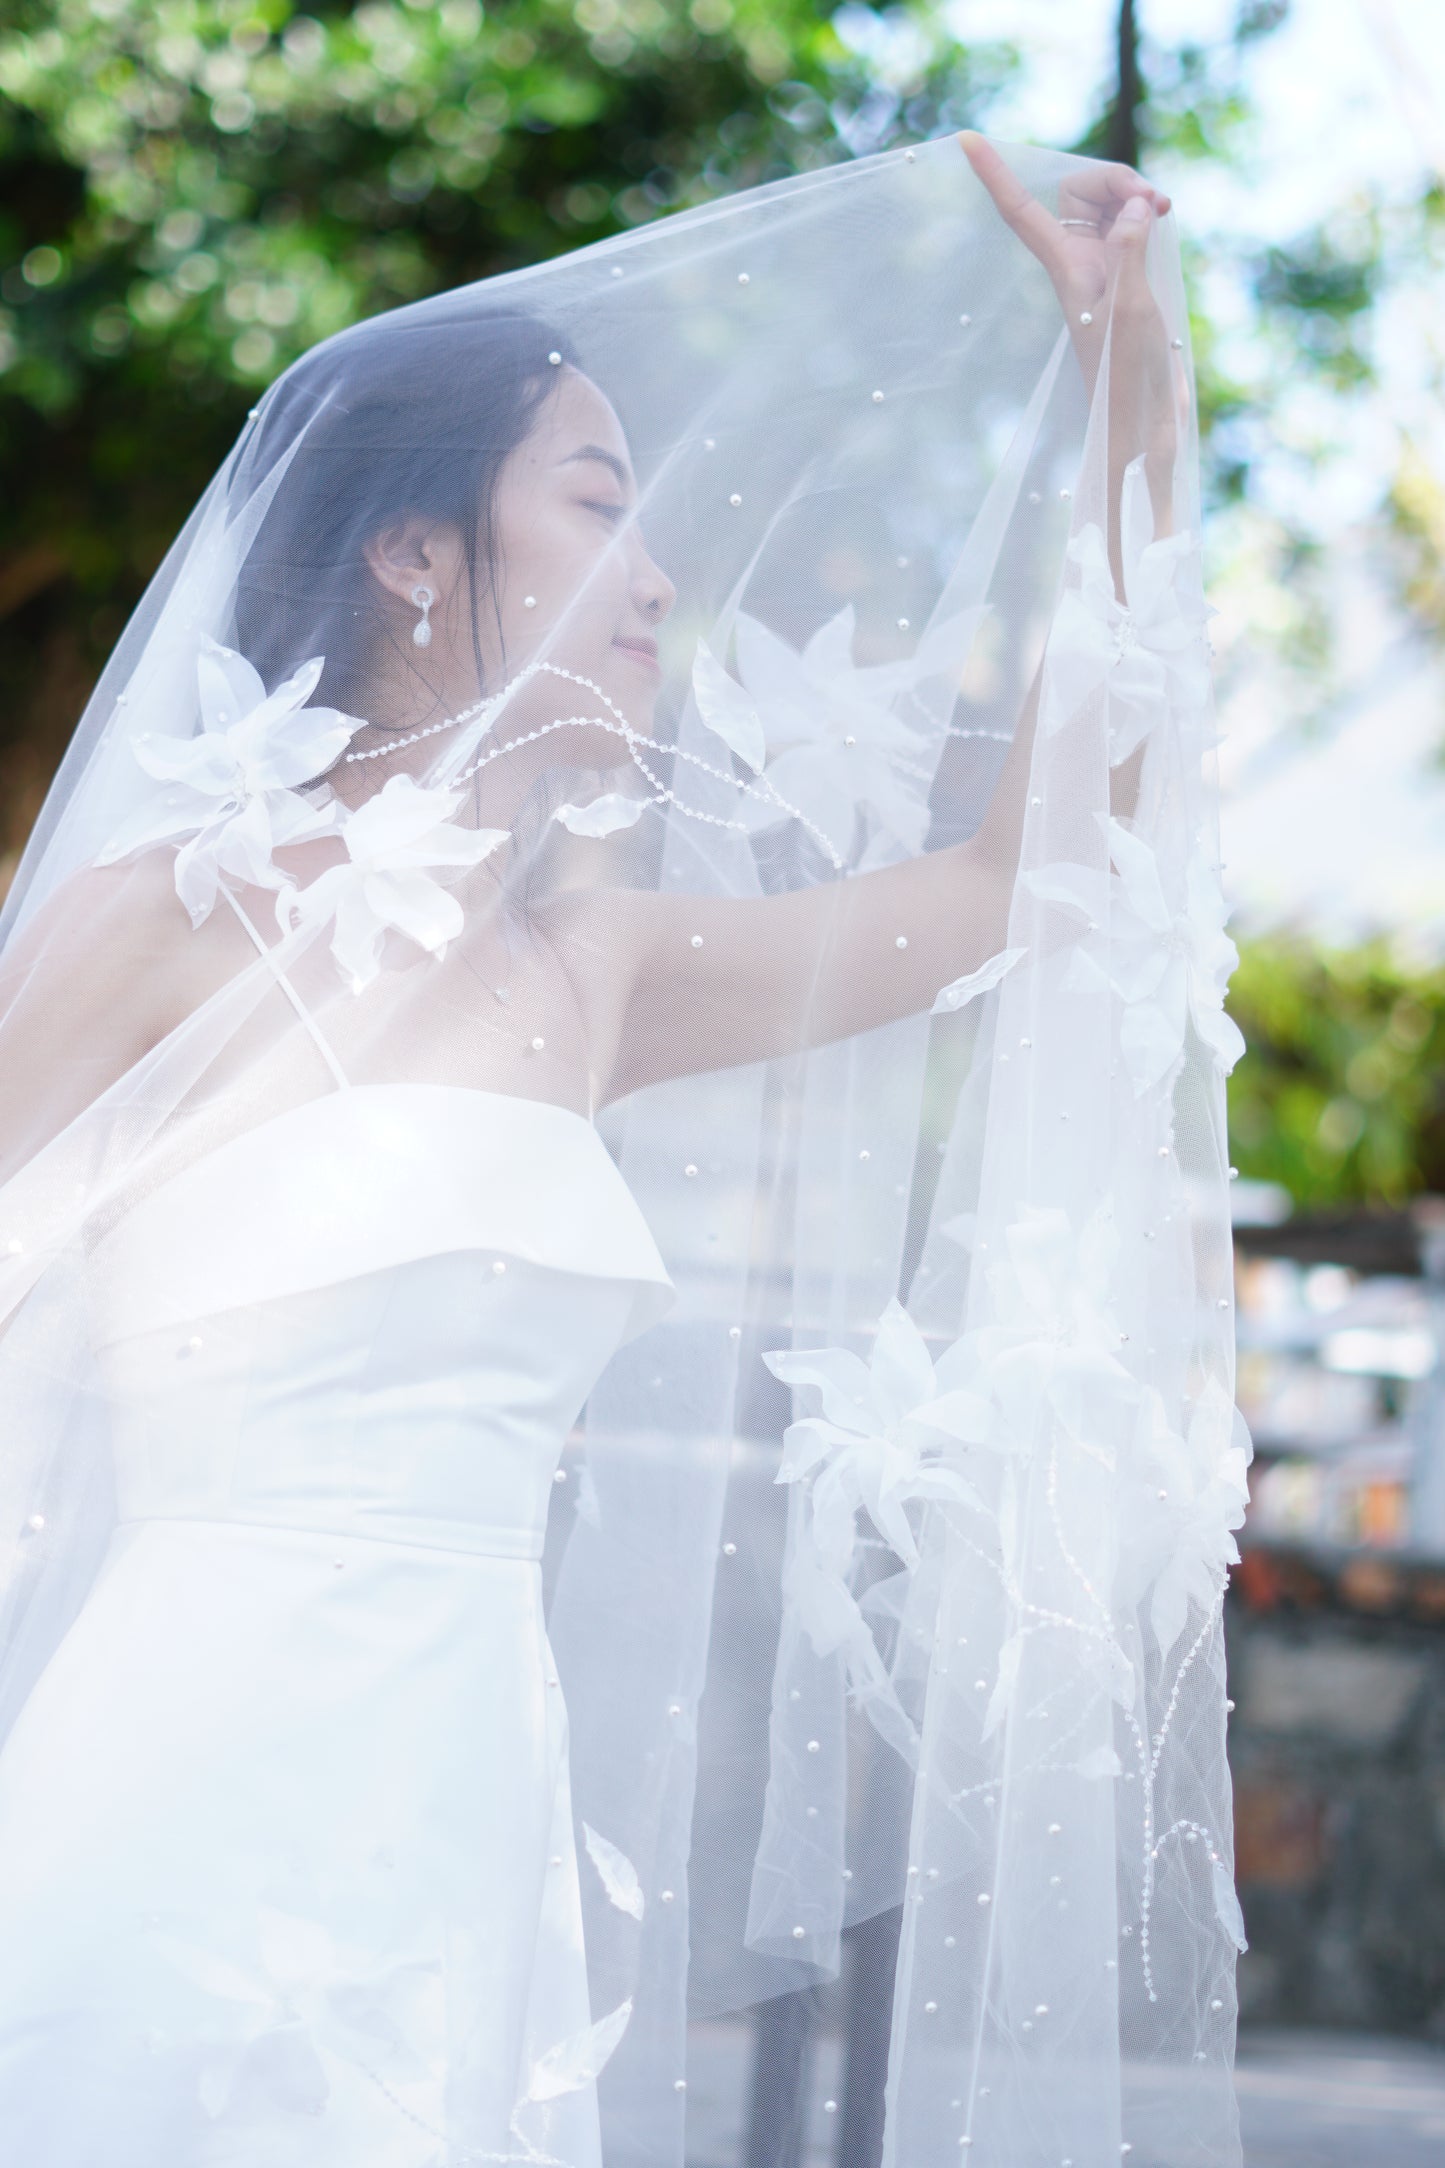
(377, 1314)
(330, 1910)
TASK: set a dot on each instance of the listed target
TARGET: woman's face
(568, 537)
(574, 584)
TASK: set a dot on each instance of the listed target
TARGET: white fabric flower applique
(1185, 1496)
(881, 1442)
(395, 843)
(822, 734)
(232, 788)
(604, 815)
(320, 2018)
(1047, 1369)
(1051, 1342)
(1152, 652)
(1169, 961)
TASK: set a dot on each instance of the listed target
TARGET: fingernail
(1135, 209)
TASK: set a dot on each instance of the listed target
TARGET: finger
(1131, 296)
(1023, 212)
(1128, 238)
(1105, 188)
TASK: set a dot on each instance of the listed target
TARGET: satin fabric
(286, 1836)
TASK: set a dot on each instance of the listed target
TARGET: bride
(354, 1739)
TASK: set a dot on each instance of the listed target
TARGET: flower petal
(230, 688)
(727, 710)
(417, 906)
(164, 816)
(1227, 1907)
(1151, 1035)
(359, 932)
(900, 1370)
(1102, 1761)
(960, 1414)
(206, 763)
(305, 745)
(602, 816)
(1077, 888)
(575, 2062)
(1005, 1684)
(1139, 873)
(619, 1876)
(806, 1442)
(839, 1376)
(959, 991)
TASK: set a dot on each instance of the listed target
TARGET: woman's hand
(1094, 248)
(1094, 253)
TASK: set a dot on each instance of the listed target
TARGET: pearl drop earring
(421, 631)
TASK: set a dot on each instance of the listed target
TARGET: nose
(652, 590)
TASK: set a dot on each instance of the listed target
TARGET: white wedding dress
(288, 1876)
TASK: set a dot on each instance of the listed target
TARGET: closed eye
(608, 511)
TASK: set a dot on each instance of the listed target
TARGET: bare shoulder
(97, 907)
(120, 935)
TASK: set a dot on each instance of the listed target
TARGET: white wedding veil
(878, 929)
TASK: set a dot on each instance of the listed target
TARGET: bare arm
(773, 974)
(714, 982)
(1093, 253)
(106, 968)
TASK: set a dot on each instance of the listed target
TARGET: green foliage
(1341, 1094)
(197, 190)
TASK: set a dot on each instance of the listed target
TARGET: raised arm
(714, 982)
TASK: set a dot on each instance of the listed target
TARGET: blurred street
(1321, 2100)
(1307, 2100)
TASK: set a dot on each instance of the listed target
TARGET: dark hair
(409, 414)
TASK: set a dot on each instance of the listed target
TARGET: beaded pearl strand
(620, 727)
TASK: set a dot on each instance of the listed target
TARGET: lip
(644, 651)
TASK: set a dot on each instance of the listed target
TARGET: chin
(634, 697)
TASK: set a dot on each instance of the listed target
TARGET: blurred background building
(197, 190)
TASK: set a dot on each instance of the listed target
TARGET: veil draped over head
(875, 928)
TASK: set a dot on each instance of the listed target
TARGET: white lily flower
(335, 2010)
(1151, 652)
(232, 787)
(822, 731)
(1169, 963)
(878, 1445)
(1054, 1336)
(1185, 1496)
(391, 842)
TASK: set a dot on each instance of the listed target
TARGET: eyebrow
(608, 459)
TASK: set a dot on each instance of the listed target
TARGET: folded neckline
(277, 1209)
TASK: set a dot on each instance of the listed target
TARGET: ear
(415, 551)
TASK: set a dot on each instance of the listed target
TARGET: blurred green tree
(197, 190)
(1340, 1095)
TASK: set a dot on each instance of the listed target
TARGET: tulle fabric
(884, 1566)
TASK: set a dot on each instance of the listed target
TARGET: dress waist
(428, 1403)
(396, 1530)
